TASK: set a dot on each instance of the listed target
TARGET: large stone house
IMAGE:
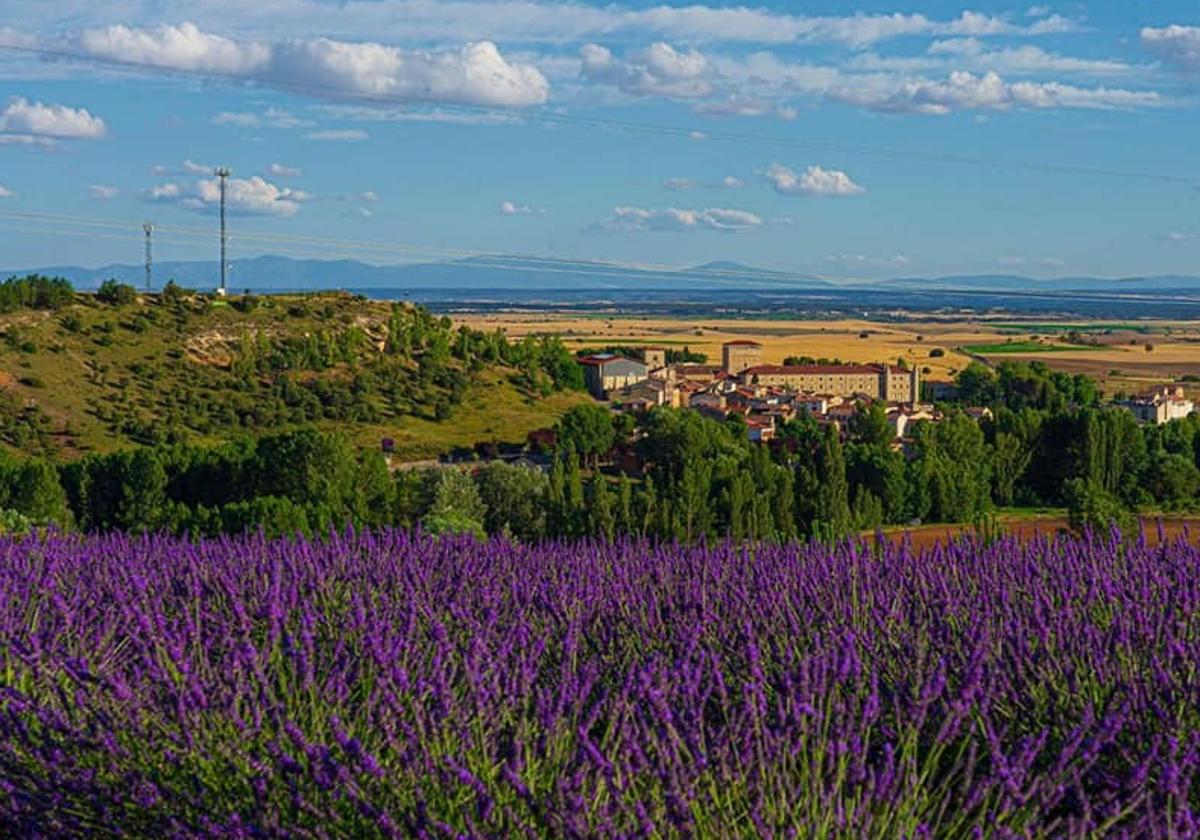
(879, 382)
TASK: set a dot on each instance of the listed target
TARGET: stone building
(879, 382)
(605, 372)
(736, 356)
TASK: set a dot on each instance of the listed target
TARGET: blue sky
(847, 141)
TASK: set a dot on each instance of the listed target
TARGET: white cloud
(474, 74)
(368, 197)
(5, 192)
(22, 118)
(679, 184)
(973, 53)
(519, 21)
(338, 135)
(814, 181)
(963, 91)
(676, 220)
(731, 182)
(281, 171)
(1178, 236)
(363, 113)
(165, 192)
(183, 47)
(103, 192)
(190, 166)
(739, 105)
(249, 196)
(270, 118)
(658, 70)
(1175, 44)
(252, 195)
(512, 208)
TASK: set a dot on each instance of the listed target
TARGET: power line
(546, 116)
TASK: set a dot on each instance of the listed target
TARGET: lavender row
(389, 684)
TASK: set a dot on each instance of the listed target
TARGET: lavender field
(392, 685)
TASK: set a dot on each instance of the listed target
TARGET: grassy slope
(72, 373)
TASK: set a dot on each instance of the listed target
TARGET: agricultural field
(394, 685)
(1116, 354)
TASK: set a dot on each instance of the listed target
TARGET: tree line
(695, 478)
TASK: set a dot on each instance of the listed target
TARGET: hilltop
(91, 374)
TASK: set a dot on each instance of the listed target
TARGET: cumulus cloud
(103, 192)
(731, 182)
(1175, 44)
(475, 74)
(35, 123)
(281, 171)
(248, 196)
(336, 135)
(183, 47)
(658, 70)
(677, 220)
(813, 181)
(512, 208)
(5, 192)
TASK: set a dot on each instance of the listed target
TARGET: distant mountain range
(533, 274)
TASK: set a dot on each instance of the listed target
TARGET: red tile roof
(813, 370)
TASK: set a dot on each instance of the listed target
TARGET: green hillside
(88, 373)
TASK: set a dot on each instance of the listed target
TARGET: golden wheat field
(1125, 357)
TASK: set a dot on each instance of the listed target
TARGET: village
(765, 396)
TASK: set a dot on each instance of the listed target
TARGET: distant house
(760, 429)
(1160, 406)
(605, 372)
(652, 392)
(696, 373)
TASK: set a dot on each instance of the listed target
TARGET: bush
(116, 294)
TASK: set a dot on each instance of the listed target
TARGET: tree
(601, 517)
(870, 426)
(832, 510)
(589, 430)
(455, 506)
(1090, 507)
(32, 488)
(515, 499)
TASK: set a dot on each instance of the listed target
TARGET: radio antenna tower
(149, 229)
(223, 173)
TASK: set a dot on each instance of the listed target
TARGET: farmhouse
(1160, 406)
